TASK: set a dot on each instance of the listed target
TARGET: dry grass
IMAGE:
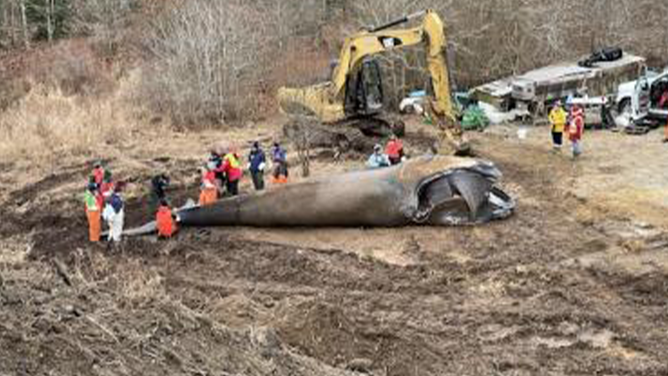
(135, 284)
(139, 284)
(47, 123)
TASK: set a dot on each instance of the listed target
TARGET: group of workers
(393, 154)
(220, 176)
(103, 200)
(571, 122)
(222, 172)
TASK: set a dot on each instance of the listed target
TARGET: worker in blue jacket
(256, 164)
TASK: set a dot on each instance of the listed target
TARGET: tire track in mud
(346, 315)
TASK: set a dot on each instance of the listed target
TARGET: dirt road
(574, 284)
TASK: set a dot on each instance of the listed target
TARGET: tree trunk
(24, 24)
(49, 20)
(305, 161)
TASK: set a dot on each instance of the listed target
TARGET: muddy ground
(575, 283)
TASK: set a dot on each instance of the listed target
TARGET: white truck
(645, 98)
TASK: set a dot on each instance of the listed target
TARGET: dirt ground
(574, 284)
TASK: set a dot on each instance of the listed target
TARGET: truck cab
(644, 98)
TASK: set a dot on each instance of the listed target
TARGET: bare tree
(105, 20)
(211, 58)
(207, 59)
(24, 23)
(14, 28)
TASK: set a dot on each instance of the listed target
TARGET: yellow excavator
(354, 96)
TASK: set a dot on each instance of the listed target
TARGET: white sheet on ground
(497, 116)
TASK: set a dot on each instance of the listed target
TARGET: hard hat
(377, 147)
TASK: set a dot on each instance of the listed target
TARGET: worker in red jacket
(164, 219)
(394, 150)
(233, 172)
(576, 129)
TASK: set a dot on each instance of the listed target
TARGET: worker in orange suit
(209, 192)
(93, 212)
(165, 220)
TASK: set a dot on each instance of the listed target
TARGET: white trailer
(534, 89)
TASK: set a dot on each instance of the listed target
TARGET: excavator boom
(328, 101)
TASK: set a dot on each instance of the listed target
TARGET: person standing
(576, 129)
(114, 214)
(215, 164)
(394, 150)
(665, 133)
(93, 212)
(378, 159)
(107, 185)
(280, 160)
(233, 172)
(256, 165)
(557, 119)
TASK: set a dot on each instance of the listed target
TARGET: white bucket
(522, 133)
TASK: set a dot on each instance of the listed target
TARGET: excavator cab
(364, 90)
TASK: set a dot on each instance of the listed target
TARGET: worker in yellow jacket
(558, 118)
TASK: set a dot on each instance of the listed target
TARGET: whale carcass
(431, 190)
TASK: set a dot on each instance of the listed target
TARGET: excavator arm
(327, 100)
